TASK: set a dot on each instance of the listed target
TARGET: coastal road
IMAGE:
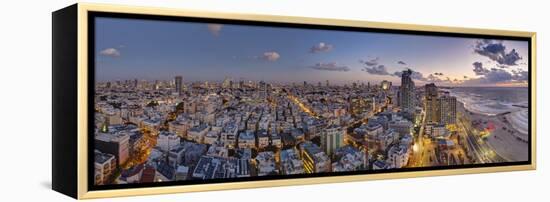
(482, 152)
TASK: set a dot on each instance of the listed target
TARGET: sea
(492, 100)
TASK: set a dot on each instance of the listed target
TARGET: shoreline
(506, 140)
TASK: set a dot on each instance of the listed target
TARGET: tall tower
(407, 91)
(431, 104)
(447, 109)
(178, 80)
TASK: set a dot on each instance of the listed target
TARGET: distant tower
(373, 104)
(407, 91)
(227, 82)
(179, 84)
(385, 84)
(241, 84)
(328, 84)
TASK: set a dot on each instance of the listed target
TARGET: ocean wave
(490, 107)
(519, 120)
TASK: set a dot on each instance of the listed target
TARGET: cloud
(498, 75)
(330, 66)
(271, 56)
(373, 67)
(520, 75)
(376, 70)
(414, 75)
(215, 29)
(370, 63)
(432, 78)
(418, 76)
(111, 52)
(478, 69)
(497, 52)
(321, 47)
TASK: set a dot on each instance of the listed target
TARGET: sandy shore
(503, 139)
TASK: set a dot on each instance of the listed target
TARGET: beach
(508, 137)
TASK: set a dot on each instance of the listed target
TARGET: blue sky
(159, 50)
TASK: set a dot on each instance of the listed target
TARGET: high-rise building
(431, 90)
(439, 109)
(385, 84)
(227, 82)
(241, 84)
(179, 84)
(431, 104)
(407, 91)
(374, 104)
(332, 139)
(447, 109)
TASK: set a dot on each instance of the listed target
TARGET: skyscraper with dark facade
(179, 84)
(406, 90)
(431, 104)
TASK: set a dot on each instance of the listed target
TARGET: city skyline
(157, 133)
(160, 50)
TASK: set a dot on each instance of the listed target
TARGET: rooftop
(102, 157)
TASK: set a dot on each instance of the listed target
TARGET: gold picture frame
(78, 187)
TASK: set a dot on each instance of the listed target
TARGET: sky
(159, 50)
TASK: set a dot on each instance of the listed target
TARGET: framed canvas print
(151, 101)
